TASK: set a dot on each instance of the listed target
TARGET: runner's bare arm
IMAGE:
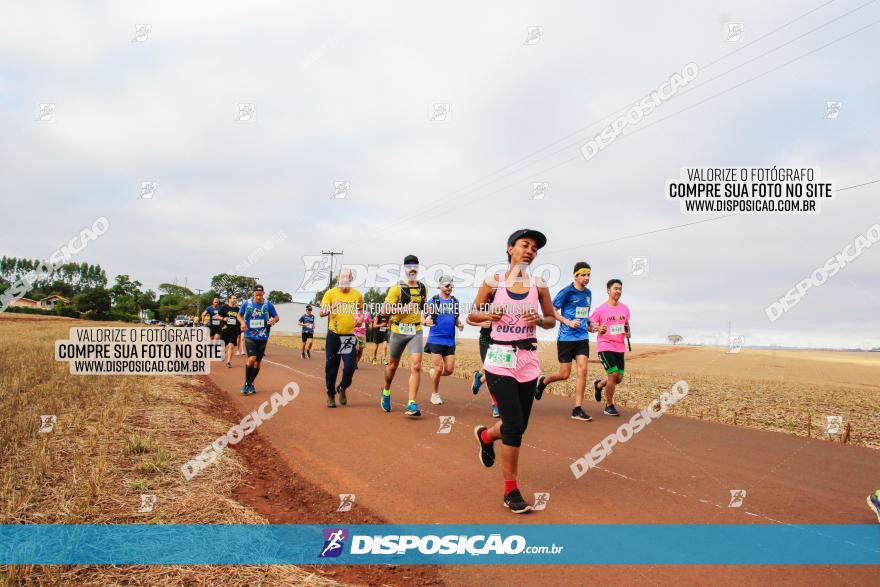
(558, 313)
(483, 324)
(480, 302)
(546, 306)
(359, 312)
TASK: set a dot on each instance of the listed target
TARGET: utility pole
(198, 297)
(332, 254)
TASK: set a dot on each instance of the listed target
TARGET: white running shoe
(436, 399)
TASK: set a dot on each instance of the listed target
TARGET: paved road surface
(677, 470)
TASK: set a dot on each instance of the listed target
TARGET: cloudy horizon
(249, 119)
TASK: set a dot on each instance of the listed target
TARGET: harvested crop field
(785, 391)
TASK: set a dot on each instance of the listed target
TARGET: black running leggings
(332, 345)
(514, 401)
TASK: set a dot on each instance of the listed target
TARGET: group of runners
(244, 330)
(509, 308)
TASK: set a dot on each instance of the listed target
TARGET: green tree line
(85, 286)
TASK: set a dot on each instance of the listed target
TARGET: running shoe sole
(540, 387)
(413, 414)
(874, 507)
(597, 393)
(525, 510)
(589, 418)
(477, 431)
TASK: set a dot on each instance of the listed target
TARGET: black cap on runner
(258, 287)
(540, 239)
(308, 307)
(410, 260)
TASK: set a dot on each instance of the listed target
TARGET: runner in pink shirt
(521, 303)
(612, 319)
(361, 333)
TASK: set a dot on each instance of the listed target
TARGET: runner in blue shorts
(442, 317)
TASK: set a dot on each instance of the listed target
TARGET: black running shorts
(255, 348)
(567, 350)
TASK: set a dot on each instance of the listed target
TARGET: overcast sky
(344, 92)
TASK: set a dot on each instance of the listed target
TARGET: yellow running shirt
(415, 318)
(342, 318)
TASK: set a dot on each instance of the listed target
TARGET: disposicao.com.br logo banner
(204, 544)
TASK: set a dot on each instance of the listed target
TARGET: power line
(476, 200)
(465, 189)
(858, 185)
(674, 227)
(787, 63)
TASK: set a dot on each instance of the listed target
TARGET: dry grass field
(115, 439)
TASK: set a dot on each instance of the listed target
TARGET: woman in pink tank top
(521, 304)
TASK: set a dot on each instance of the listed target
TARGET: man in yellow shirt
(344, 305)
(405, 302)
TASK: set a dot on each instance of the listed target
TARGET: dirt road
(677, 470)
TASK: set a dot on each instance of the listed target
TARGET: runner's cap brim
(539, 237)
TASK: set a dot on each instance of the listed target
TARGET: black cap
(308, 307)
(258, 287)
(410, 260)
(540, 239)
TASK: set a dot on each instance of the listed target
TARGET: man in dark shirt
(307, 322)
(230, 328)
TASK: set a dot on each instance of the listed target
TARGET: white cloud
(342, 93)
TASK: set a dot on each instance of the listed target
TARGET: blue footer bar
(625, 544)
